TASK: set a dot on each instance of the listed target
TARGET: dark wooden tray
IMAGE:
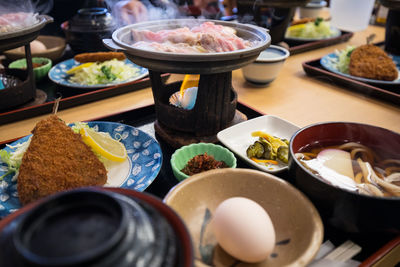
(296, 47)
(70, 97)
(387, 93)
(143, 119)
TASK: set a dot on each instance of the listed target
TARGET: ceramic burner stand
(214, 110)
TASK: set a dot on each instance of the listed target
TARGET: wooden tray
(143, 119)
(70, 97)
(387, 93)
(296, 47)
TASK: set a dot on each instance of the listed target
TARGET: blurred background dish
(274, 15)
(351, 15)
(328, 63)
(41, 66)
(297, 225)
(8, 81)
(312, 30)
(51, 47)
(183, 155)
(267, 66)
(346, 209)
(312, 9)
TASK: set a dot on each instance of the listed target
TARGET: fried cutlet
(57, 159)
(369, 61)
(99, 56)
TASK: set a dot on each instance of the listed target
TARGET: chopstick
(344, 252)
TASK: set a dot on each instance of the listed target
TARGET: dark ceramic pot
(349, 211)
(92, 227)
(86, 30)
(275, 15)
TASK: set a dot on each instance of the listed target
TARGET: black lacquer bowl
(86, 30)
(346, 210)
(95, 227)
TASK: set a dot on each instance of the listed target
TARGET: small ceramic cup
(312, 9)
(182, 155)
(39, 72)
(266, 67)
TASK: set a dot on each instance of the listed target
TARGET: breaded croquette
(369, 61)
(57, 159)
(99, 56)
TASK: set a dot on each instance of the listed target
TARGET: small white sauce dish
(267, 66)
(238, 137)
(312, 9)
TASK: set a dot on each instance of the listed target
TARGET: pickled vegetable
(283, 154)
(268, 149)
(256, 150)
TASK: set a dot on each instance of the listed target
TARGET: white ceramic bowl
(267, 66)
(312, 9)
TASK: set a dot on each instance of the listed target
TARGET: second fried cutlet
(369, 61)
(57, 160)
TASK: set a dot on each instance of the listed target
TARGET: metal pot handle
(47, 18)
(109, 43)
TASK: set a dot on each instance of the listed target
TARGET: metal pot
(23, 36)
(197, 63)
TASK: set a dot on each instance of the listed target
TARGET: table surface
(293, 96)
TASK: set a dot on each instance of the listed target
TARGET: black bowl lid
(71, 228)
(92, 19)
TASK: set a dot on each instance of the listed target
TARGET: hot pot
(215, 107)
(26, 90)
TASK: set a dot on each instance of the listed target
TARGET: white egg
(244, 229)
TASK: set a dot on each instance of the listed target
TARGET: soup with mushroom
(354, 167)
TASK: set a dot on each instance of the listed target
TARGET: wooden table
(293, 96)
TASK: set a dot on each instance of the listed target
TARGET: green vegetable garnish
(107, 72)
(349, 52)
(318, 21)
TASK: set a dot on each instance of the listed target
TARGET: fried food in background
(99, 56)
(369, 61)
(302, 21)
(57, 160)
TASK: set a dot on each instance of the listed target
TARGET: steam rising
(28, 6)
(164, 9)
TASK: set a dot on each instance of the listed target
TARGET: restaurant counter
(293, 96)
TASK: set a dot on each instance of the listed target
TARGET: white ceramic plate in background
(238, 137)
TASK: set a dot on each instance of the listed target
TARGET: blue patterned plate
(137, 172)
(328, 62)
(58, 74)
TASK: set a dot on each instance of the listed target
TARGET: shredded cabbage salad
(342, 61)
(14, 158)
(317, 29)
(109, 71)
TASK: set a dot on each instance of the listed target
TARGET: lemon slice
(75, 69)
(295, 30)
(104, 144)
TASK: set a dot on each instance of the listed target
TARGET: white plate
(238, 137)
